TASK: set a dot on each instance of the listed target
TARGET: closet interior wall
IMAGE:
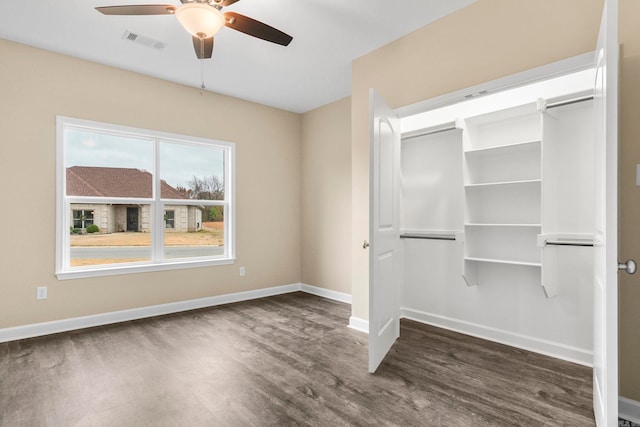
(502, 184)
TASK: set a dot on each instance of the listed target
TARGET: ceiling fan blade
(254, 28)
(203, 47)
(138, 9)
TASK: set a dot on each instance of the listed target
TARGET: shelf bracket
(470, 273)
(549, 276)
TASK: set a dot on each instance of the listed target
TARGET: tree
(215, 213)
(206, 188)
(184, 191)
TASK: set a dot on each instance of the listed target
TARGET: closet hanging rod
(570, 101)
(430, 131)
(429, 236)
(567, 243)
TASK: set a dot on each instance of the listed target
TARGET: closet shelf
(504, 183)
(504, 149)
(504, 261)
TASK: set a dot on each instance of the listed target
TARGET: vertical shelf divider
(502, 167)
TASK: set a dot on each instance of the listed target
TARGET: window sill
(146, 268)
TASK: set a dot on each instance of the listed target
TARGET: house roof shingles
(115, 182)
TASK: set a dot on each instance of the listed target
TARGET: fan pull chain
(202, 66)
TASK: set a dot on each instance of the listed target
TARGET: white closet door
(384, 234)
(605, 343)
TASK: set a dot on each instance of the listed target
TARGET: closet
(506, 222)
(496, 222)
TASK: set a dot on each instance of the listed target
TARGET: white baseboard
(326, 293)
(56, 326)
(629, 409)
(557, 350)
(359, 324)
(553, 349)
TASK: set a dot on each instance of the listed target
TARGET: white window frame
(157, 262)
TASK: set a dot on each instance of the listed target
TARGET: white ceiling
(313, 70)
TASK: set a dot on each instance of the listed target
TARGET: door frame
(606, 279)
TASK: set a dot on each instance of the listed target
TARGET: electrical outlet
(242, 271)
(41, 292)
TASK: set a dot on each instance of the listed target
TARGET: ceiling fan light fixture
(200, 19)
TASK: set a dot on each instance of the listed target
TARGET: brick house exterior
(124, 182)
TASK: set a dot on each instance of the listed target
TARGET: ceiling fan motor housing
(200, 19)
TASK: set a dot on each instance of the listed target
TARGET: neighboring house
(122, 183)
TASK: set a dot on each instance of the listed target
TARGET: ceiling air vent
(142, 40)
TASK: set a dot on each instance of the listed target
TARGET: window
(132, 200)
(169, 219)
(82, 218)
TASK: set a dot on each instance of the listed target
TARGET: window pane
(103, 165)
(191, 171)
(197, 231)
(114, 234)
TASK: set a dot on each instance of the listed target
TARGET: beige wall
(629, 197)
(35, 86)
(326, 196)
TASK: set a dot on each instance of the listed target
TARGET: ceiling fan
(203, 19)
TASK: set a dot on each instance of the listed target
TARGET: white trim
(130, 268)
(555, 69)
(629, 409)
(359, 324)
(326, 293)
(515, 340)
(549, 348)
(536, 345)
(57, 326)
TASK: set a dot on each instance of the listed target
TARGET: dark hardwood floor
(281, 361)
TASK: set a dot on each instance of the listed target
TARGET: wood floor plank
(279, 361)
